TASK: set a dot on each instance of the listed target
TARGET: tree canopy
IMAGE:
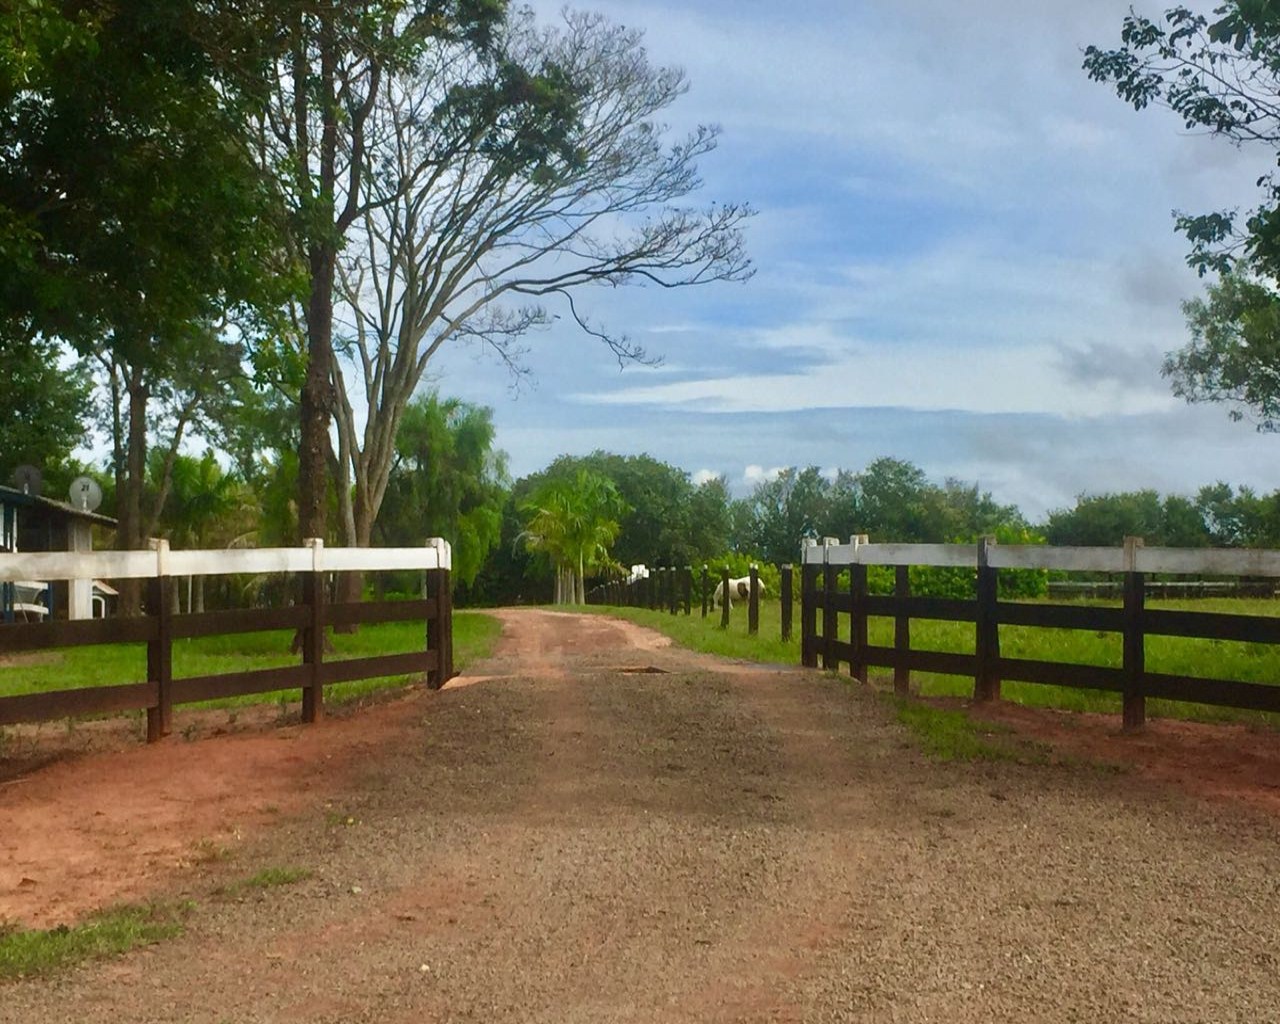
(1234, 352)
(44, 407)
(574, 519)
(1218, 73)
(889, 500)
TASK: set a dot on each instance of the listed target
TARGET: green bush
(740, 565)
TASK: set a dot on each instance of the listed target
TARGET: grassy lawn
(706, 635)
(1211, 659)
(73, 667)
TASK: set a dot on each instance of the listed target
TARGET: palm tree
(574, 520)
(202, 497)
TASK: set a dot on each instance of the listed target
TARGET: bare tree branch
(531, 177)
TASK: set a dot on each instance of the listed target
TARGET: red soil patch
(89, 817)
(1240, 763)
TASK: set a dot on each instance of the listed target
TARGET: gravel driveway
(567, 839)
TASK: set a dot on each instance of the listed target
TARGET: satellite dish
(86, 493)
(27, 479)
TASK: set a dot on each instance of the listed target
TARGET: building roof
(21, 499)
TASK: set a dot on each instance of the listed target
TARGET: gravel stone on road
(596, 827)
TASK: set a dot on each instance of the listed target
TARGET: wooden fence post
(830, 574)
(433, 586)
(902, 630)
(753, 600)
(808, 608)
(160, 646)
(446, 595)
(686, 580)
(706, 591)
(857, 610)
(1135, 653)
(313, 635)
(986, 684)
(787, 600)
(724, 598)
(673, 590)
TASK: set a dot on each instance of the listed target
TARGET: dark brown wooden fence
(161, 627)
(671, 588)
(824, 595)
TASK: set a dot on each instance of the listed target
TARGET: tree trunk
(316, 402)
(129, 489)
(351, 584)
(317, 390)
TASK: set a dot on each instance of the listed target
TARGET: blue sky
(965, 257)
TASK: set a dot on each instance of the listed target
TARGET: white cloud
(687, 328)
(703, 476)
(754, 474)
(948, 222)
(1030, 379)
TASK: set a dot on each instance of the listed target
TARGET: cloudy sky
(965, 257)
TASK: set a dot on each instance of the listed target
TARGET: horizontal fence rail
(162, 561)
(161, 626)
(824, 596)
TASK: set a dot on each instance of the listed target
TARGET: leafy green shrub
(740, 565)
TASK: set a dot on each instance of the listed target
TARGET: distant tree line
(544, 536)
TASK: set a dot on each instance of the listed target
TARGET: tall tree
(574, 520)
(133, 219)
(496, 186)
(1106, 519)
(890, 500)
(781, 512)
(316, 134)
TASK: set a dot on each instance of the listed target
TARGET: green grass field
(1212, 659)
(107, 664)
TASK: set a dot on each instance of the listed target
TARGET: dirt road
(599, 828)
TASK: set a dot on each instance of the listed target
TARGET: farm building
(30, 522)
